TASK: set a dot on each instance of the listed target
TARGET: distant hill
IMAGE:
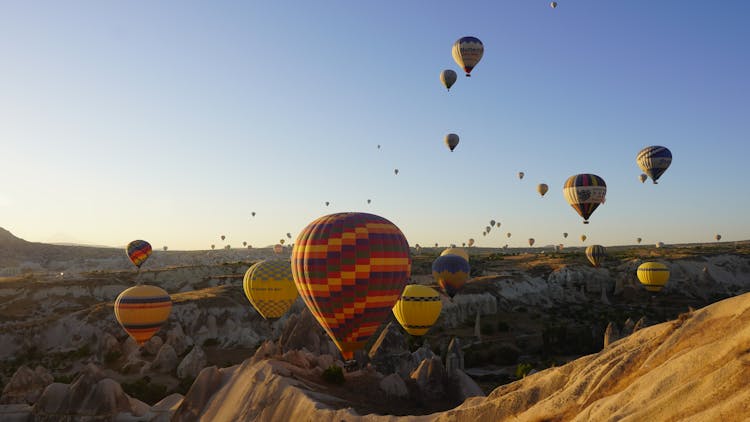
(14, 251)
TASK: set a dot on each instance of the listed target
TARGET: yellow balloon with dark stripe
(269, 286)
(456, 251)
(142, 310)
(417, 309)
(653, 275)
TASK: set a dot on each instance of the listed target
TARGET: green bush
(334, 375)
(523, 369)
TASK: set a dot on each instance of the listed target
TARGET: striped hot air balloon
(456, 251)
(138, 251)
(350, 269)
(653, 275)
(142, 310)
(584, 192)
(269, 286)
(596, 254)
(654, 161)
(467, 52)
(418, 309)
(451, 273)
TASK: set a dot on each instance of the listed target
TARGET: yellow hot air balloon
(142, 310)
(596, 254)
(417, 309)
(508, 235)
(653, 275)
(269, 286)
(456, 251)
(583, 238)
(277, 249)
(281, 241)
(542, 188)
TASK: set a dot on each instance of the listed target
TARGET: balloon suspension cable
(137, 276)
(350, 365)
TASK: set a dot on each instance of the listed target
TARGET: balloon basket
(350, 365)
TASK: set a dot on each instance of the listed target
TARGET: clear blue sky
(172, 121)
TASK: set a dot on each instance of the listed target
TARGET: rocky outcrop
(165, 362)
(26, 385)
(389, 352)
(206, 384)
(429, 377)
(178, 340)
(463, 307)
(303, 331)
(394, 386)
(192, 364)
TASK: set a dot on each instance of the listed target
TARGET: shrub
(523, 369)
(334, 375)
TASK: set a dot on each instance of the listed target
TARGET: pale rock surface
(454, 360)
(152, 346)
(206, 384)
(192, 364)
(429, 376)
(464, 386)
(26, 385)
(611, 334)
(165, 361)
(108, 347)
(389, 352)
(178, 340)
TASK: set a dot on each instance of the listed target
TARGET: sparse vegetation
(334, 375)
(523, 369)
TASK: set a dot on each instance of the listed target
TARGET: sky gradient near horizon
(172, 121)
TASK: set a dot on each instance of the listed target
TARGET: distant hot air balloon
(542, 188)
(653, 275)
(471, 242)
(270, 288)
(436, 245)
(417, 309)
(553, 5)
(350, 269)
(584, 192)
(463, 244)
(451, 140)
(142, 310)
(497, 224)
(492, 223)
(642, 177)
(507, 235)
(638, 240)
(583, 238)
(418, 249)
(368, 201)
(213, 246)
(138, 251)
(596, 254)
(278, 249)
(249, 246)
(451, 272)
(659, 244)
(327, 203)
(448, 78)
(395, 171)
(654, 161)
(565, 235)
(281, 241)
(165, 248)
(531, 241)
(484, 233)
(223, 237)
(244, 243)
(453, 245)
(253, 213)
(289, 235)
(467, 52)
(456, 251)
(717, 237)
(520, 174)
(378, 146)
(487, 229)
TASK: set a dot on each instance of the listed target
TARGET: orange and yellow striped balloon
(350, 269)
(142, 310)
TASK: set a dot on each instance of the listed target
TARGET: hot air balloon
(654, 161)
(223, 237)
(378, 146)
(456, 251)
(281, 241)
(531, 241)
(453, 245)
(142, 310)
(553, 5)
(436, 245)
(565, 235)
(463, 244)
(350, 269)
(653, 275)
(717, 237)
(507, 235)
(278, 249)
(165, 248)
(368, 201)
(542, 188)
(395, 171)
(638, 240)
(467, 52)
(659, 244)
(327, 203)
(138, 251)
(583, 238)
(213, 246)
(596, 254)
(451, 140)
(487, 229)
(451, 272)
(584, 192)
(244, 243)
(497, 224)
(270, 288)
(520, 174)
(492, 223)
(471, 242)
(249, 246)
(642, 178)
(448, 78)
(417, 309)
(484, 233)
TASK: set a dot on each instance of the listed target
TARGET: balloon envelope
(596, 254)
(417, 309)
(142, 310)
(520, 174)
(654, 161)
(270, 288)
(583, 238)
(653, 275)
(471, 242)
(138, 251)
(542, 188)
(456, 251)
(451, 273)
(451, 140)
(448, 78)
(467, 52)
(717, 237)
(565, 235)
(531, 241)
(350, 269)
(584, 192)
(642, 178)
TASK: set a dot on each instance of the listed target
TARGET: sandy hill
(694, 368)
(14, 250)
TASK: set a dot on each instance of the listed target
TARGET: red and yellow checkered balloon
(350, 269)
